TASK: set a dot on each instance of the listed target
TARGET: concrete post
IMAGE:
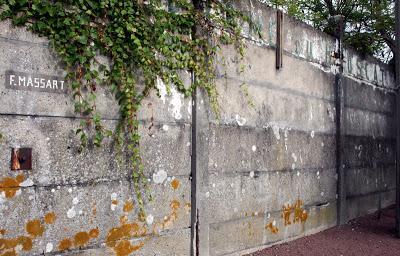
(340, 122)
(397, 56)
(199, 210)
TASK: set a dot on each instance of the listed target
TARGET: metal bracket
(279, 38)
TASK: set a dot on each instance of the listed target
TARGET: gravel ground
(367, 236)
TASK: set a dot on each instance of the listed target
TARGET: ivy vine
(145, 41)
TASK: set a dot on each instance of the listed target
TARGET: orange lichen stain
(286, 212)
(2, 232)
(81, 239)
(175, 205)
(300, 215)
(123, 219)
(118, 238)
(125, 248)
(94, 233)
(65, 244)
(34, 228)
(8, 246)
(172, 217)
(272, 228)
(94, 210)
(50, 218)
(128, 206)
(114, 202)
(10, 186)
(125, 231)
(175, 184)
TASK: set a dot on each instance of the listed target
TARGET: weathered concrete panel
(39, 59)
(259, 193)
(232, 236)
(369, 152)
(361, 182)
(245, 149)
(269, 105)
(57, 161)
(104, 209)
(359, 206)
(368, 98)
(362, 123)
(260, 69)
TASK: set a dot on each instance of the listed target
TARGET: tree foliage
(369, 23)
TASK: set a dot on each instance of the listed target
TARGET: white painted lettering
(21, 79)
(36, 81)
(42, 82)
(29, 82)
(55, 86)
(12, 77)
(48, 85)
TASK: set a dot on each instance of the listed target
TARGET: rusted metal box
(21, 159)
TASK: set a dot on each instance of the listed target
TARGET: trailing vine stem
(146, 42)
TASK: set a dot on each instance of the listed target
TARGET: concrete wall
(261, 174)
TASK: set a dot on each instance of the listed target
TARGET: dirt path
(365, 236)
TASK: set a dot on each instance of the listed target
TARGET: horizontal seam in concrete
(381, 112)
(291, 129)
(24, 42)
(263, 215)
(34, 116)
(373, 193)
(89, 183)
(367, 167)
(267, 172)
(269, 125)
(272, 86)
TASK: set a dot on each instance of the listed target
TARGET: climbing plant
(146, 42)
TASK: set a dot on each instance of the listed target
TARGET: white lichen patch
(251, 174)
(165, 127)
(312, 134)
(27, 183)
(275, 130)
(49, 247)
(71, 213)
(176, 99)
(113, 196)
(149, 219)
(294, 157)
(75, 200)
(240, 120)
(254, 148)
(160, 176)
(176, 103)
